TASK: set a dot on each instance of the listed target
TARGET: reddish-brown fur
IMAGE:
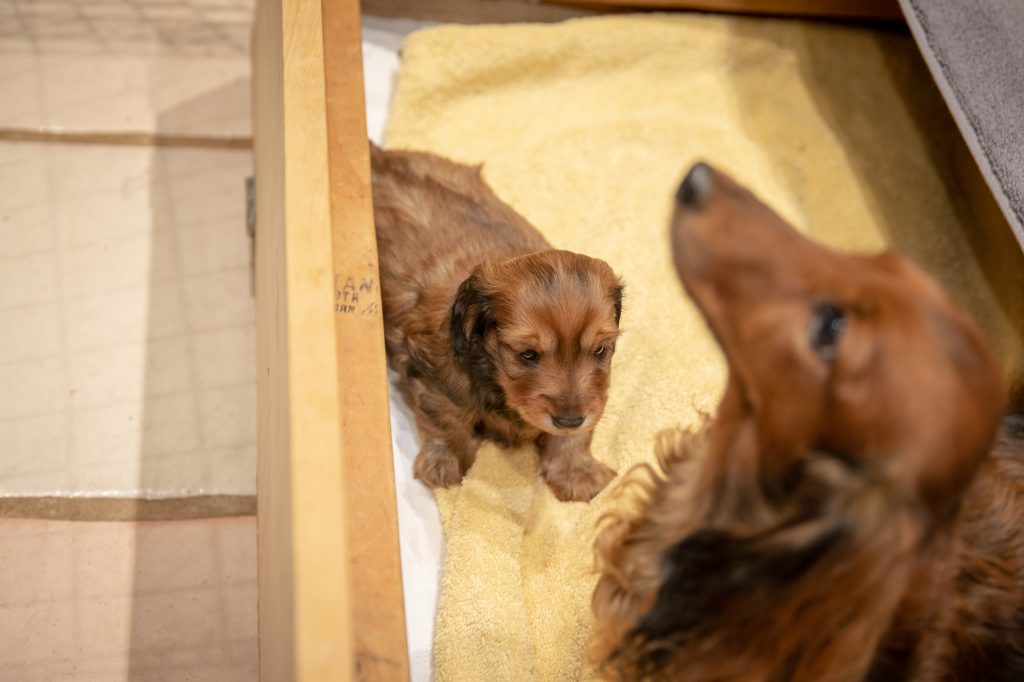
(469, 287)
(845, 516)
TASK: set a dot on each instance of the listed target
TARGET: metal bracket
(250, 228)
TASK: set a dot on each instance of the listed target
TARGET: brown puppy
(843, 517)
(495, 335)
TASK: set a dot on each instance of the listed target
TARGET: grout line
(128, 139)
(127, 509)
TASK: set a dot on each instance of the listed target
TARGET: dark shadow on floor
(193, 614)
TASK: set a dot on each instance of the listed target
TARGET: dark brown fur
(844, 517)
(469, 287)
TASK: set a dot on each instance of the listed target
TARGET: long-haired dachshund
(494, 334)
(845, 516)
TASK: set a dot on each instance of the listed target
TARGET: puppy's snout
(567, 421)
(695, 188)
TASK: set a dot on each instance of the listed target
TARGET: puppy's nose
(695, 187)
(567, 421)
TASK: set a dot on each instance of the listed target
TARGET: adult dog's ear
(471, 313)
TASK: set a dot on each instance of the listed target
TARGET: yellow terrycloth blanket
(586, 128)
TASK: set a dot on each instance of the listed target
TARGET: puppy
(844, 517)
(494, 334)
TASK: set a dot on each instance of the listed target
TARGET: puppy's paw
(580, 481)
(437, 466)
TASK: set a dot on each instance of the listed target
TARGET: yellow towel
(586, 127)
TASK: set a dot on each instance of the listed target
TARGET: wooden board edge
(305, 607)
(878, 10)
(475, 11)
(372, 515)
(273, 510)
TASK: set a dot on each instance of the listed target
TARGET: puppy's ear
(617, 293)
(471, 313)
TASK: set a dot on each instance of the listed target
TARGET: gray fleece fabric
(975, 50)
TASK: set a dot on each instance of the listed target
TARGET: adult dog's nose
(567, 421)
(694, 189)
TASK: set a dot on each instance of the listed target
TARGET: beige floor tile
(75, 215)
(228, 415)
(173, 424)
(55, 482)
(233, 468)
(123, 601)
(108, 435)
(30, 332)
(117, 263)
(23, 171)
(25, 230)
(224, 357)
(133, 316)
(47, 566)
(196, 187)
(220, 299)
(158, 367)
(125, 316)
(126, 65)
(29, 279)
(159, 473)
(159, 451)
(31, 657)
(32, 388)
(44, 435)
(204, 250)
(107, 376)
(76, 172)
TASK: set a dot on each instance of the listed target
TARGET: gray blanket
(975, 50)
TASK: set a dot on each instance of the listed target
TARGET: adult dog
(845, 515)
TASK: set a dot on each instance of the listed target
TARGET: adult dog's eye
(599, 352)
(529, 356)
(827, 324)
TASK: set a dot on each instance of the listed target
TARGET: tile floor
(126, 339)
(118, 601)
(121, 65)
(126, 319)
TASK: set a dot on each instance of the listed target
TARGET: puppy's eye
(599, 352)
(529, 356)
(827, 324)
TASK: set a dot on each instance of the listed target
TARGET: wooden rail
(330, 580)
(489, 11)
(886, 10)
(379, 616)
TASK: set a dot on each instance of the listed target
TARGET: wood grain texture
(475, 11)
(304, 614)
(273, 479)
(502, 11)
(376, 571)
(887, 10)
